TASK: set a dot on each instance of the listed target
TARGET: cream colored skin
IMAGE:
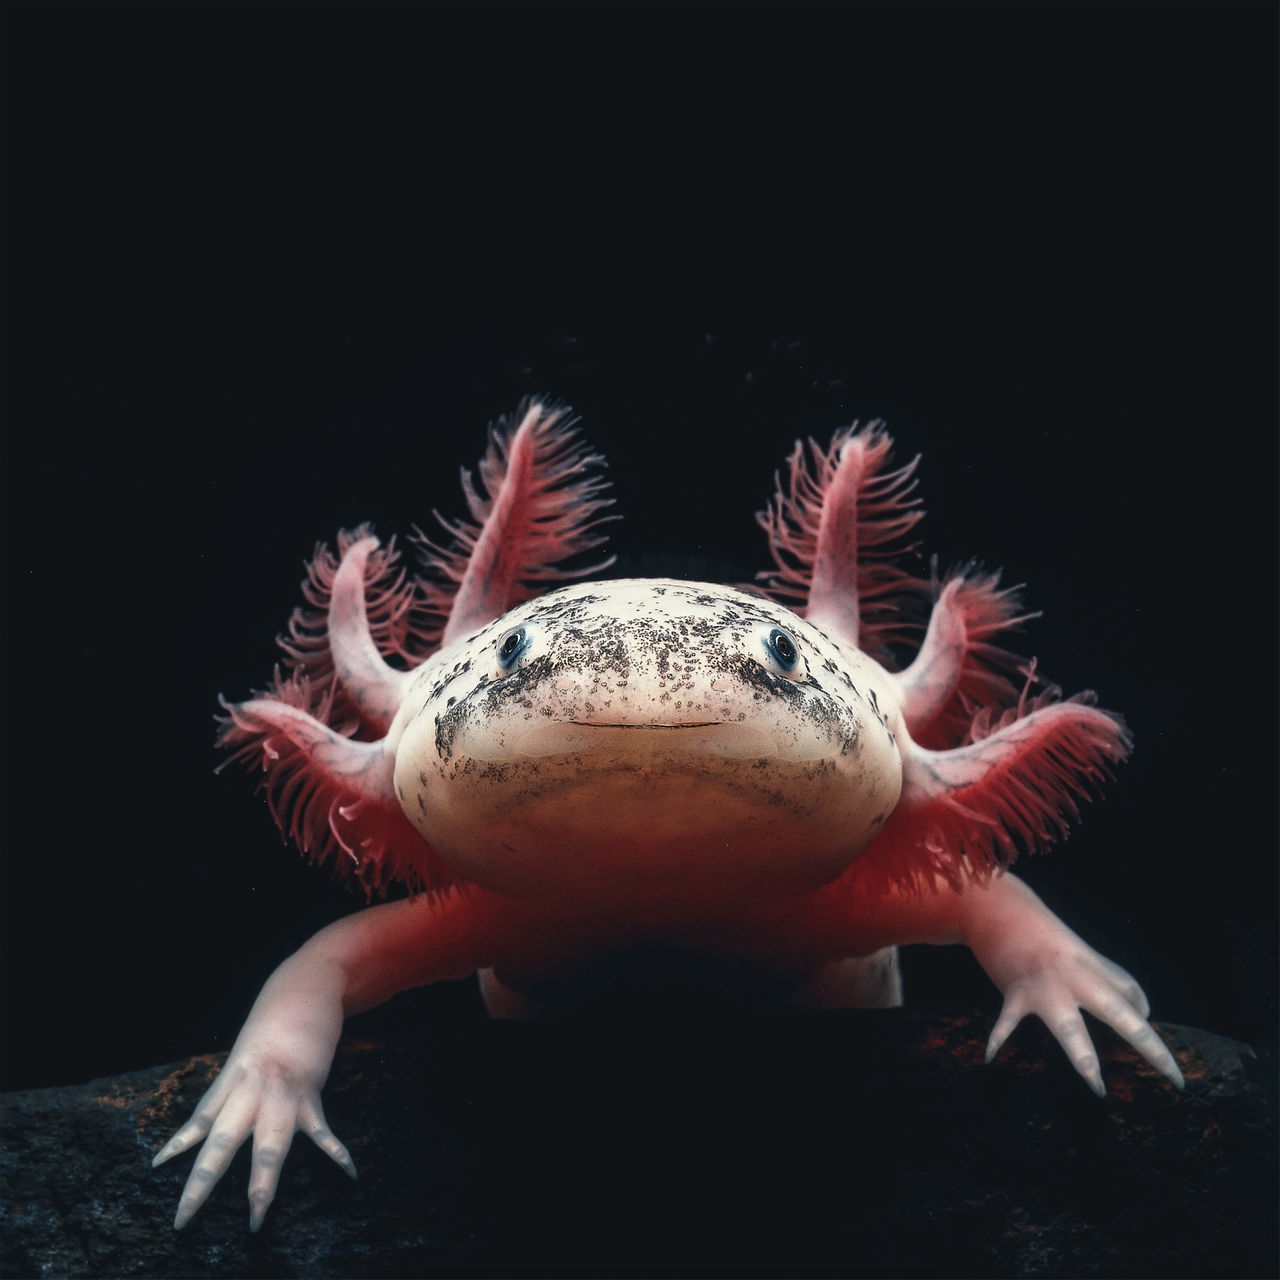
(636, 762)
(643, 725)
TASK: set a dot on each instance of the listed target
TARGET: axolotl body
(654, 766)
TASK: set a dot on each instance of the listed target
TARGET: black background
(270, 270)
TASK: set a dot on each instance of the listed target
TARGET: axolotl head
(617, 739)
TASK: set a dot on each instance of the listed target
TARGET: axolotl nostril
(562, 771)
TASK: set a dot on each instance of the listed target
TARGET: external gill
(969, 811)
(333, 796)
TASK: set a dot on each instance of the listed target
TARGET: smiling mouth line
(599, 724)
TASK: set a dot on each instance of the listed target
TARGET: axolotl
(560, 769)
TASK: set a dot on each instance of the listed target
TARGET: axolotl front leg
(1044, 968)
(270, 1087)
(1039, 964)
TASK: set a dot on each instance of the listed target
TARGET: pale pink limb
(1039, 965)
(932, 875)
(270, 1086)
(1042, 967)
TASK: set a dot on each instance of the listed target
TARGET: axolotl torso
(647, 766)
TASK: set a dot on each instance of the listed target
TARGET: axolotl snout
(741, 773)
(650, 738)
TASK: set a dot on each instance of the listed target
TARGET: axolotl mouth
(618, 724)
(609, 813)
(715, 738)
(615, 809)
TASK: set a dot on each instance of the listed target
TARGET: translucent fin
(539, 502)
(959, 668)
(369, 578)
(966, 812)
(333, 796)
(834, 531)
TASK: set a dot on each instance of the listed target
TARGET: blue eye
(513, 646)
(782, 649)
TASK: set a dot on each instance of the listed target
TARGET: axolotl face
(612, 740)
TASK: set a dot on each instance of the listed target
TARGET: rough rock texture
(851, 1144)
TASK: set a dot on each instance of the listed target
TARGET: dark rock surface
(851, 1144)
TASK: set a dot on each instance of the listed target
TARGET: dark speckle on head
(684, 651)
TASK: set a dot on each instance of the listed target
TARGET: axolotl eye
(513, 646)
(782, 650)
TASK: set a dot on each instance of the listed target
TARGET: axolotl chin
(560, 773)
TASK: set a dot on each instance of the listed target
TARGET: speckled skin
(637, 691)
(645, 722)
(660, 775)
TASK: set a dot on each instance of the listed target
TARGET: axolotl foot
(269, 1089)
(1056, 979)
(242, 1102)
